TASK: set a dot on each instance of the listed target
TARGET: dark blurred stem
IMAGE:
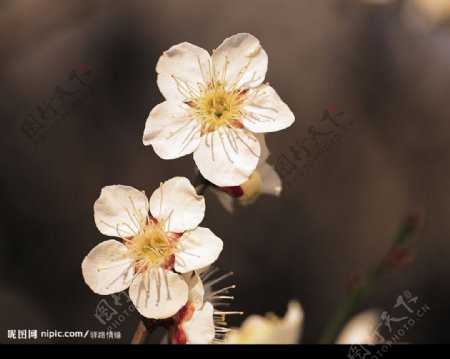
(200, 183)
(143, 331)
(351, 303)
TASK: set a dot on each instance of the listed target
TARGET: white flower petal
(264, 149)
(225, 199)
(198, 248)
(293, 322)
(360, 329)
(270, 180)
(227, 157)
(242, 59)
(107, 269)
(270, 330)
(180, 69)
(200, 328)
(266, 112)
(196, 290)
(177, 203)
(120, 210)
(158, 293)
(171, 130)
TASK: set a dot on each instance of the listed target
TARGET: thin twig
(141, 335)
(401, 245)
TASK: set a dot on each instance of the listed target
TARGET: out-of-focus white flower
(427, 13)
(264, 180)
(160, 238)
(200, 321)
(270, 329)
(360, 329)
(214, 105)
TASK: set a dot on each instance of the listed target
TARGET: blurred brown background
(386, 70)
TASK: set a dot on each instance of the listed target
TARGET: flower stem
(395, 257)
(141, 334)
(200, 184)
(146, 327)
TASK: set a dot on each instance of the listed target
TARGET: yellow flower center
(152, 248)
(215, 107)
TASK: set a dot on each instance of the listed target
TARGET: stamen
(209, 272)
(116, 228)
(140, 218)
(166, 280)
(133, 219)
(225, 149)
(232, 140)
(168, 221)
(217, 280)
(201, 69)
(246, 145)
(113, 265)
(122, 275)
(212, 147)
(216, 298)
(161, 198)
(182, 127)
(230, 313)
(224, 71)
(184, 88)
(147, 290)
(158, 286)
(223, 290)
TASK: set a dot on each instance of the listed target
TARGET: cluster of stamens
(152, 247)
(219, 299)
(215, 103)
(216, 107)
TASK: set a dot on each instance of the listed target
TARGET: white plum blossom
(263, 180)
(270, 329)
(214, 104)
(160, 238)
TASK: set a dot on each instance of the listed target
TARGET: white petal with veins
(120, 211)
(228, 156)
(158, 293)
(266, 112)
(196, 290)
(107, 269)
(177, 203)
(200, 328)
(181, 69)
(172, 130)
(240, 61)
(197, 249)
